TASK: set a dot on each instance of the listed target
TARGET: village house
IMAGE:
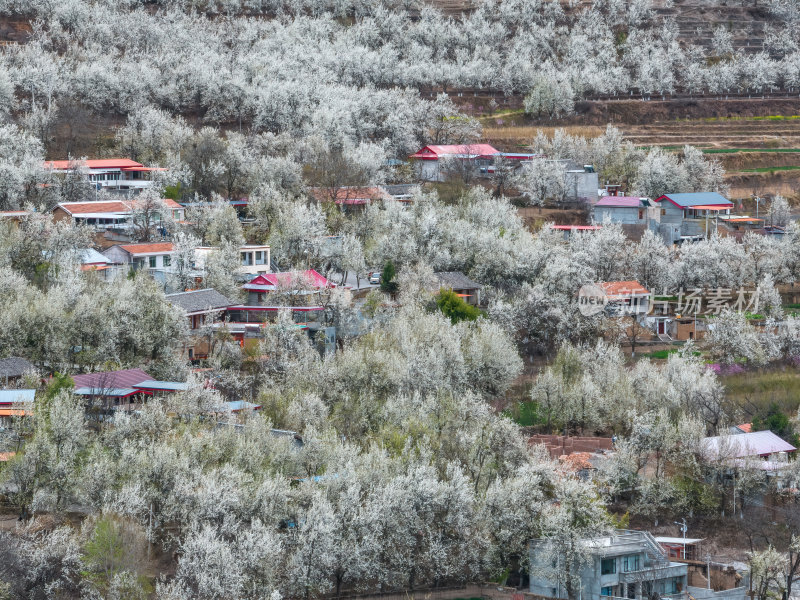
(155, 258)
(459, 283)
(625, 564)
(95, 262)
(14, 368)
(254, 259)
(440, 162)
(15, 403)
(764, 447)
(113, 174)
(121, 390)
(297, 283)
(115, 214)
(626, 210)
(569, 230)
(626, 297)
(13, 217)
(201, 307)
(350, 198)
(581, 182)
(689, 216)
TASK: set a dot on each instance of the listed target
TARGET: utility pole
(708, 571)
(683, 528)
(757, 199)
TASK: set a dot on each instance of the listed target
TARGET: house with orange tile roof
(113, 214)
(152, 257)
(630, 297)
(113, 174)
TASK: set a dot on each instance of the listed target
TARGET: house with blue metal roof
(688, 216)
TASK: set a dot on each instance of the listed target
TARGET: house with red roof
(121, 174)
(302, 283)
(123, 389)
(438, 162)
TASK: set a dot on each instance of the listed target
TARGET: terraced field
(720, 134)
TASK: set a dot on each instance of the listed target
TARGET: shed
(462, 285)
(13, 368)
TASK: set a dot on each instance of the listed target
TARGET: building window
(630, 563)
(663, 211)
(167, 260)
(641, 214)
(152, 262)
(607, 591)
(247, 259)
(608, 566)
(260, 257)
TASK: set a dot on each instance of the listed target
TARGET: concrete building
(254, 259)
(625, 564)
(152, 257)
(626, 210)
(581, 182)
(113, 174)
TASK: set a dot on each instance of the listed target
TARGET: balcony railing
(653, 573)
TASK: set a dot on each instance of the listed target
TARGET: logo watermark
(592, 300)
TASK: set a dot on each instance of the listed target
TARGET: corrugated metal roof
(113, 392)
(270, 281)
(14, 396)
(165, 386)
(687, 200)
(757, 443)
(467, 150)
(111, 379)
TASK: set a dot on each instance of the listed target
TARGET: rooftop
(199, 301)
(456, 280)
(108, 380)
(623, 202)
(93, 163)
(616, 290)
(757, 443)
(15, 366)
(140, 249)
(350, 195)
(434, 152)
(697, 199)
(77, 208)
(15, 396)
(290, 279)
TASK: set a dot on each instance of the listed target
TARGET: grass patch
(769, 169)
(524, 413)
(755, 391)
(664, 354)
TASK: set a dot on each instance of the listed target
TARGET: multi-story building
(625, 564)
(110, 174)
